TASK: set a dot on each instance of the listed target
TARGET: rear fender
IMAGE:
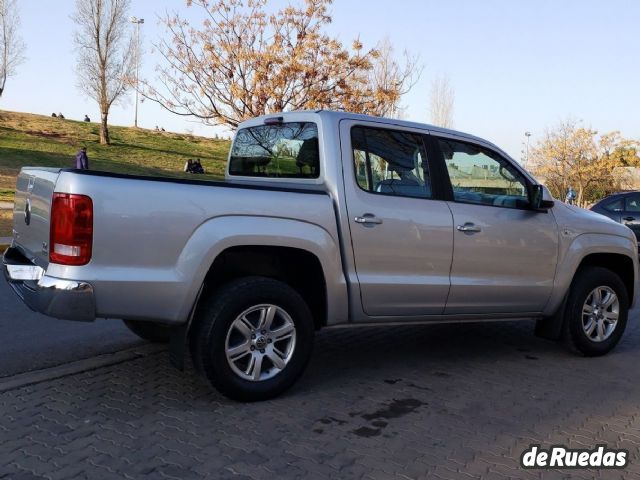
(216, 235)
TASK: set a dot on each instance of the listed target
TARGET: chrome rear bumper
(55, 297)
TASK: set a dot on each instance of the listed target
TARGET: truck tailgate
(34, 191)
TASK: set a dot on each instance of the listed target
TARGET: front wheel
(597, 311)
(253, 338)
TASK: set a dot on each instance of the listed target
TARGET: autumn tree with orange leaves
(571, 155)
(242, 62)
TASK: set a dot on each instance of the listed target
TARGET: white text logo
(558, 456)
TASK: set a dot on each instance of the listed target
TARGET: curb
(79, 366)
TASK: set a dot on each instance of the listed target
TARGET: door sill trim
(437, 319)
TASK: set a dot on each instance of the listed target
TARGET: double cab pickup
(324, 219)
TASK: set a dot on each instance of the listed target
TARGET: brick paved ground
(448, 401)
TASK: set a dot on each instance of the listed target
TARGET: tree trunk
(104, 129)
(579, 196)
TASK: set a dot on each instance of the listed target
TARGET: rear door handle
(368, 219)
(468, 228)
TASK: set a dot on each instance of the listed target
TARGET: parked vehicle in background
(623, 207)
(326, 219)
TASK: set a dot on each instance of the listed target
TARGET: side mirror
(537, 200)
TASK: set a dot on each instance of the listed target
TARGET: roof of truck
(340, 115)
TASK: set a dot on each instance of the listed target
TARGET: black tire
(150, 331)
(213, 321)
(586, 281)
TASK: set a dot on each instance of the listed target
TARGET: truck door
(505, 254)
(401, 235)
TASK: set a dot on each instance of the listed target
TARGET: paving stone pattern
(443, 402)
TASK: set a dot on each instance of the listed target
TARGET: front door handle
(468, 228)
(629, 219)
(368, 219)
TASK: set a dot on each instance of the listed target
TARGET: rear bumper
(55, 297)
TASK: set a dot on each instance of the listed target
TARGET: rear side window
(286, 150)
(390, 162)
(633, 203)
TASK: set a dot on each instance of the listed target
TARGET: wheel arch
(614, 253)
(621, 265)
(224, 248)
(298, 268)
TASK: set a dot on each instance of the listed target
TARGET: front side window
(481, 176)
(390, 162)
(616, 205)
(284, 150)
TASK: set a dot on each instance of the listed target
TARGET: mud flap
(179, 336)
(551, 328)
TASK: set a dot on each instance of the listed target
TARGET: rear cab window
(282, 150)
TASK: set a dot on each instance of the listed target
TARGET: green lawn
(37, 140)
(6, 194)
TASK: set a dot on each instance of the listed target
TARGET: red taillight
(71, 229)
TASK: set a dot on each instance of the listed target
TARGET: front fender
(216, 235)
(576, 251)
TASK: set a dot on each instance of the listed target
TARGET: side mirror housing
(537, 200)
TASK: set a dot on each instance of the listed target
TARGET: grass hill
(37, 140)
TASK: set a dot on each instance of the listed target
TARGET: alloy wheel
(600, 313)
(260, 342)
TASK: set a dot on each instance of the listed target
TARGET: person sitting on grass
(197, 166)
(86, 118)
(193, 166)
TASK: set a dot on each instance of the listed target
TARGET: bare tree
(245, 60)
(11, 45)
(441, 102)
(106, 53)
(392, 78)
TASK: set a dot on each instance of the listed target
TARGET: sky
(515, 66)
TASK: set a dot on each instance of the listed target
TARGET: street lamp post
(528, 135)
(137, 22)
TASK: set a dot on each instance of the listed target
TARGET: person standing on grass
(82, 160)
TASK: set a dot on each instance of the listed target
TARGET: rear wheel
(150, 331)
(253, 338)
(596, 311)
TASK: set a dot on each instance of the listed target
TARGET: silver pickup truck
(325, 219)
